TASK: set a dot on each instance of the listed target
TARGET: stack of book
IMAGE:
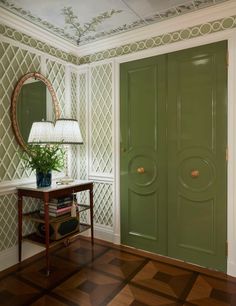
(58, 206)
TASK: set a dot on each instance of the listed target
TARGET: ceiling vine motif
(70, 23)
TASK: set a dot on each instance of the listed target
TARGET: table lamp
(66, 132)
(41, 132)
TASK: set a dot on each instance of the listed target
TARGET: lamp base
(65, 180)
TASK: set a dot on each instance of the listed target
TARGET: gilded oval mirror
(33, 99)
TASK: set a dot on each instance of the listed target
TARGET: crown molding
(201, 16)
(28, 28)
(204, 15)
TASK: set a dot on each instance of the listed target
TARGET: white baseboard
(9, 257)
(116, 239)
(231, 268)
(102, 232)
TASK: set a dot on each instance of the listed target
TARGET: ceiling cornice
(173, 24)
(27, 27)
(176, 23)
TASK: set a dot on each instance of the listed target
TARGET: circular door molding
(142, 170)
(196, 173)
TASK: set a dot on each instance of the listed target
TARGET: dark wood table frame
(46, 194)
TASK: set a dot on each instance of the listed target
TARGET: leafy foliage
(72, 21)
(44, 158)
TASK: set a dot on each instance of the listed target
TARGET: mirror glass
(33, 100)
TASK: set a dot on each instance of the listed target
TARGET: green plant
(44, 158)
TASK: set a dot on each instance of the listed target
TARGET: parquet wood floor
(105, 274)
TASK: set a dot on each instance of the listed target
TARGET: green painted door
(173, 149)
(197, 142)
(143, 160)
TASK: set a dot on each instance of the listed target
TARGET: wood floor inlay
(210, 291)
(50, 301)
(88, 287)
(164, 279)
(103, 274)
(15, 292)
(134, 296)
(60, 270)
(116, 263)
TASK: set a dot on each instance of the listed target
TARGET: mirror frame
(14, 100)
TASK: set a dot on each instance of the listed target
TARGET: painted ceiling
(84, 21)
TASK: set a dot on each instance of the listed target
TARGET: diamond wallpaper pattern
(103, 204)
(74, 148)
(9, 221)
(82, 121)
(82, 115)
(14, 63)
(100, 145)
(56, 75)
(101, 119)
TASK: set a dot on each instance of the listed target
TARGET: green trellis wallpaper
(36, 44)
(14, 63)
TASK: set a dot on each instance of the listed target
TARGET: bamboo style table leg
(46, 211)
(19, 226)
(91, 212)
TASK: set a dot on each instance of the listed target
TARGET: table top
(54, 187)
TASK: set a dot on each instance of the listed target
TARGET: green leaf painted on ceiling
(72, 21)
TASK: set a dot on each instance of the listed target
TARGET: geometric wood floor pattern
(105, 274)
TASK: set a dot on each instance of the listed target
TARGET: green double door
(173, 154)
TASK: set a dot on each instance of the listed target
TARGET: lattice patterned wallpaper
(82, 121)
(103, 203)
(56, 75)
(74, 97)
(101, 119)
(15, 61)
(82, 115)
(8, 220)
(100, 139)
(74, 148)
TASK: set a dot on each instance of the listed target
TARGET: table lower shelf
(34, 238)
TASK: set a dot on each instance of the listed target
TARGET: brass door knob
(195, 173)
(140, 170)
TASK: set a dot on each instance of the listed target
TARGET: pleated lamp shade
(67, 131)
(41, 132)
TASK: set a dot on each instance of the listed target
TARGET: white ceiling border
(203, 15)
(187, 20)
(28, 28)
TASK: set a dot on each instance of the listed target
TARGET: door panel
(173, 145)
(136, 221)
(197, 141)
(143, 154)
(189, 213)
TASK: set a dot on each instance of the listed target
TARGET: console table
(46, 194)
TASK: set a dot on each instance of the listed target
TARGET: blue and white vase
(43, 179)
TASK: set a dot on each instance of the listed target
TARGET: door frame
(230, 37)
